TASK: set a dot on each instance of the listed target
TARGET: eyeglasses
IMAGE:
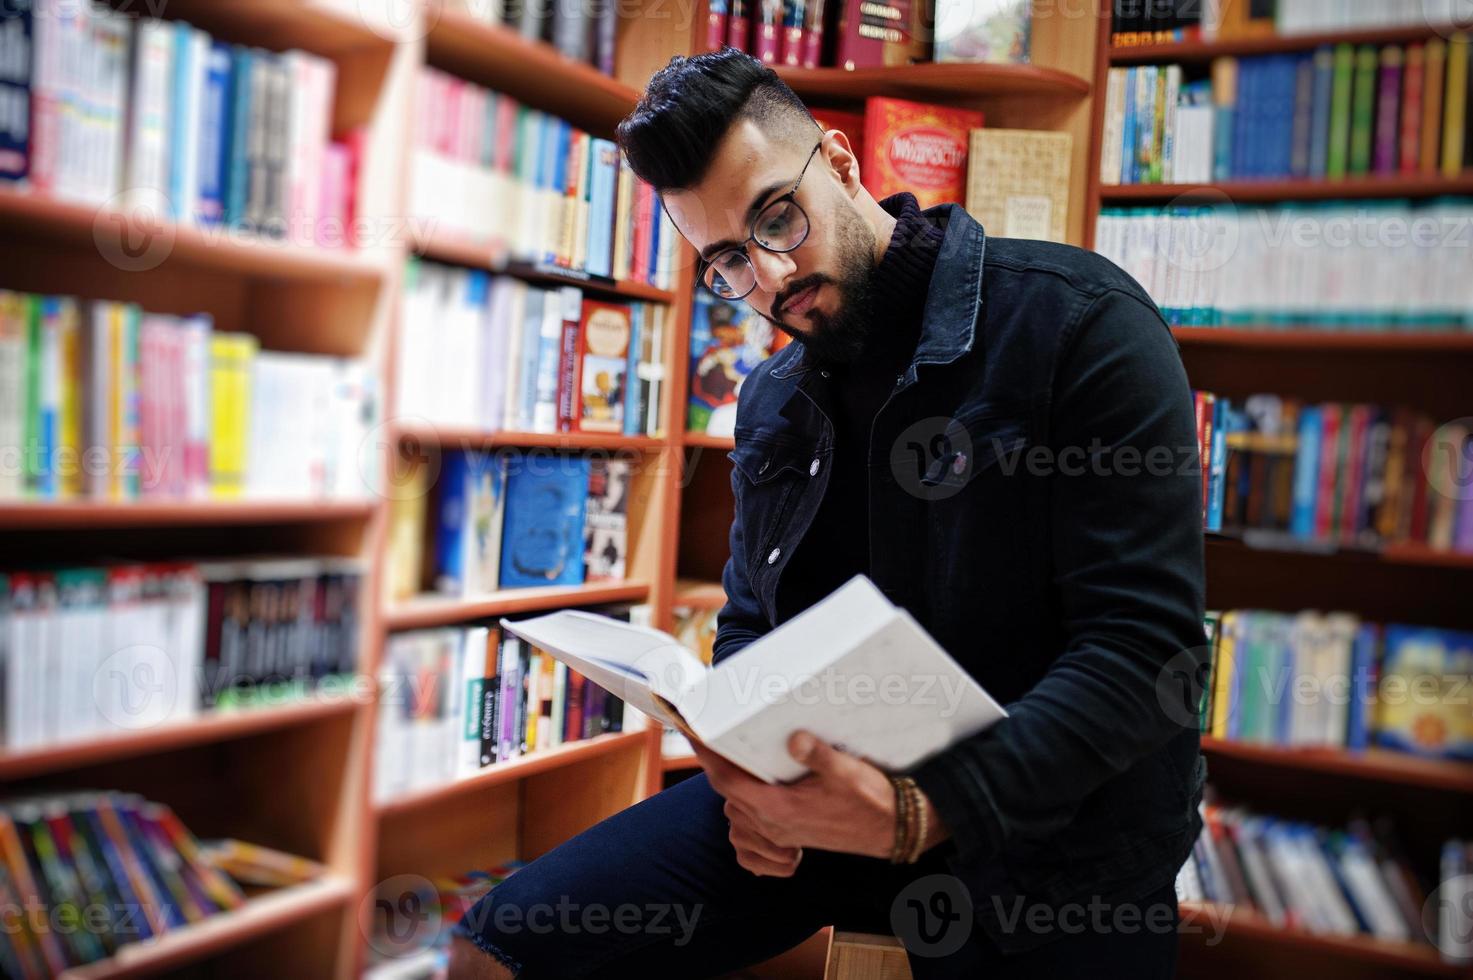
(781, 226)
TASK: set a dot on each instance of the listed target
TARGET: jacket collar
(953, 307)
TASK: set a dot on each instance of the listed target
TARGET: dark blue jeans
(655, 891)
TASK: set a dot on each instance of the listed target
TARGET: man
(1000, 434)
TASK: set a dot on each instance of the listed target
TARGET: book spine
(569, 400)
(1338, 158)
(1434, 59)
(813, 33)
(1388, 104)
(1455, 105)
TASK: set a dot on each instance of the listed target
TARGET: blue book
(1222, 411)
(181, 195)
(48, 405)
(1319, 136)
(237, 169)
(633, 409)
(1307, 471)
(605, 156)
(1145, 124)
(1244, 121)
(1362, 688)
(537, 300)
(1303, 116)
(15, 90)
(454, 519)
(214, 134)
(542, 543)
(1127, 131)
(1431, 664)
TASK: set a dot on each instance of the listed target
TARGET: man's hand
(844, 804)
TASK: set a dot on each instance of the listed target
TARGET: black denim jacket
(1035, 501)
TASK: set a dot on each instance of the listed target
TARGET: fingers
(819, 756)
(749, 841)
(759, 865)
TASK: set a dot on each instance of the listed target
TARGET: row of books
(403, 945)
(86, 874)
(91, 652)
(486, 167)
(582, 32)
(1164, 21)
(1317, 679)
(1324, 115)
(871, 33)
(182, 125)
(513, 519)
(455, 700)
(101, 399)
(1336, 882)
(496, 354)
(1350, 475)
(1336, 265)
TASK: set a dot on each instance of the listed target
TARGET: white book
(1111, 148)
(146, 180)
(544, 411)
(466, 697)
(855, 670)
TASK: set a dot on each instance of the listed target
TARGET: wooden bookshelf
(428, 611)
(1380, 766)
(448, 437)
(85, 515)
(934, 82)
(705, 441)
(697, 594)
(1197, 52)
(1279, 191)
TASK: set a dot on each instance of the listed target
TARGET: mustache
(781, 300)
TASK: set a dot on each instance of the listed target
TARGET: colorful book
(910, 146)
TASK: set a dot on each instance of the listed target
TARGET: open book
(855, 670)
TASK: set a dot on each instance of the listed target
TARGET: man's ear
(841, 159)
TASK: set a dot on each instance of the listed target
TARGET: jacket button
(774, 555)
(813, 467)
(765, 464)
(824, 373)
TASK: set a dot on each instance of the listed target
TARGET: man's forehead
(745, 162)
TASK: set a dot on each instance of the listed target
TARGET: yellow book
(231, 358)
(1222, 673)
(1018, 183)
(69, 458)
(1455, 105)
(1434, 60)
(122, 407)
(13, 331)
(411, 489)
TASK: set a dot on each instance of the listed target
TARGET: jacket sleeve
(1127, 577)
(741, 620)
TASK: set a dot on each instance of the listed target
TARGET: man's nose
(772, 269)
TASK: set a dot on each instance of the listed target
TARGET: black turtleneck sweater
(836, 546)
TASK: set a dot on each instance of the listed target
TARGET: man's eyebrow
(758, 200)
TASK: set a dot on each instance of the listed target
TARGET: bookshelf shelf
(453, 437)
(1368, 341)
(152, 244)
(208, 727)
(46, 515)
(1246, 928)
(531, 71)
(934, 82)
(427, 611)
(699, 594)
(709, 442)
(670, 763)
(262, 914)
(1391, 555)
(1271, 191)
(489, 254)
(1200, 51)
(327, 27)
(532, 764)
(1372, 765)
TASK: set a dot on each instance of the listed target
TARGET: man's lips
(800, 303)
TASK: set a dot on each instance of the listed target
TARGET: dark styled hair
(671, 136)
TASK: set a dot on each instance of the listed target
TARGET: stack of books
(102, 400)
(134, 870)
(493, 353)
(453, 701)
(1279, 470)
(1337, 265)
(543, 191)
(90, 652)
(161, 120)
(1333, 113)
(1351, 882)
(508, 520)
(1333, 680)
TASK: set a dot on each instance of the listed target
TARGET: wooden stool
(861, 956)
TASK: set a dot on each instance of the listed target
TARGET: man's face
(820, 292)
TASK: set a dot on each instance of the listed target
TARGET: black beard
(841, 338)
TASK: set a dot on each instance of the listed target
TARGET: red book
(1411, 110)
(791, 46)
(738, 25)
(1206, 402)
(569, 363)
(911, 146)
(813, 33)
(1354, 475)
(603, 363)
(861, 37)
(1422, 433)
(573, 706)
(769, 22)
(715, 24)
(1329, 463)
(644, 200)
